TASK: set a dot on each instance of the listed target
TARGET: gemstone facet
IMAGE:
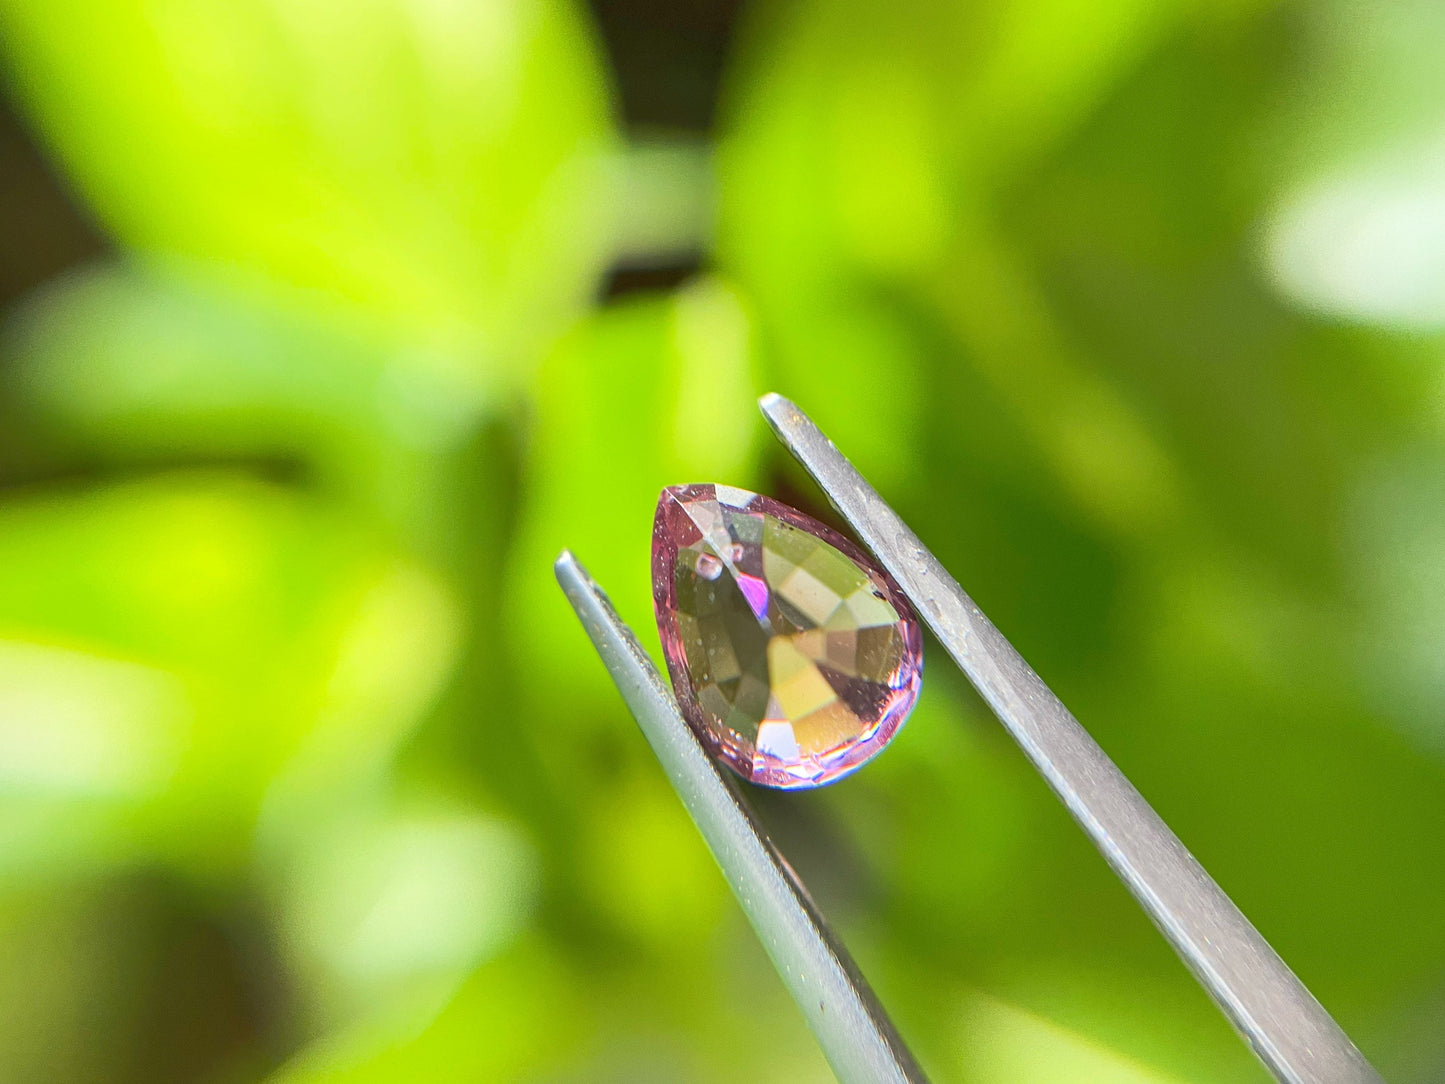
(795, 658)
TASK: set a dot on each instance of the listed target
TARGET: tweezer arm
(855, 1034)
(1289, 1030)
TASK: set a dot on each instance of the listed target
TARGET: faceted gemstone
(794, 657)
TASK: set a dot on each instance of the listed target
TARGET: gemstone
(794, 657)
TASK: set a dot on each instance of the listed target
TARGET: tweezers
(1286, 1027)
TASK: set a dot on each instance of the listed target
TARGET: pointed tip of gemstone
(794, 657)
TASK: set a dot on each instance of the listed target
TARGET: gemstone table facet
(794, 657)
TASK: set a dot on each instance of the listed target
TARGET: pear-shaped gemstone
(795, 658)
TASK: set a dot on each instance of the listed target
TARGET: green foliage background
(1134, 308)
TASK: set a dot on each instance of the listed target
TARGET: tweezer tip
(773, 404)
(567, 566)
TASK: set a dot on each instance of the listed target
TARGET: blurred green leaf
(515, 1016)
(1001, 1042)
(384, 915)
(275, 635)
(131, 365)
(861, 157)
(440, 167)
(1359, 165)
(87, 966)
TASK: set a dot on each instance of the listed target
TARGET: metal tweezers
(1287, 1028)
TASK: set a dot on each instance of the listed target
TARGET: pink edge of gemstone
(675, 530)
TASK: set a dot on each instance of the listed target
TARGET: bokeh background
(327, 324)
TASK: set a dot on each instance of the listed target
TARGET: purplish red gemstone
(795, 658)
